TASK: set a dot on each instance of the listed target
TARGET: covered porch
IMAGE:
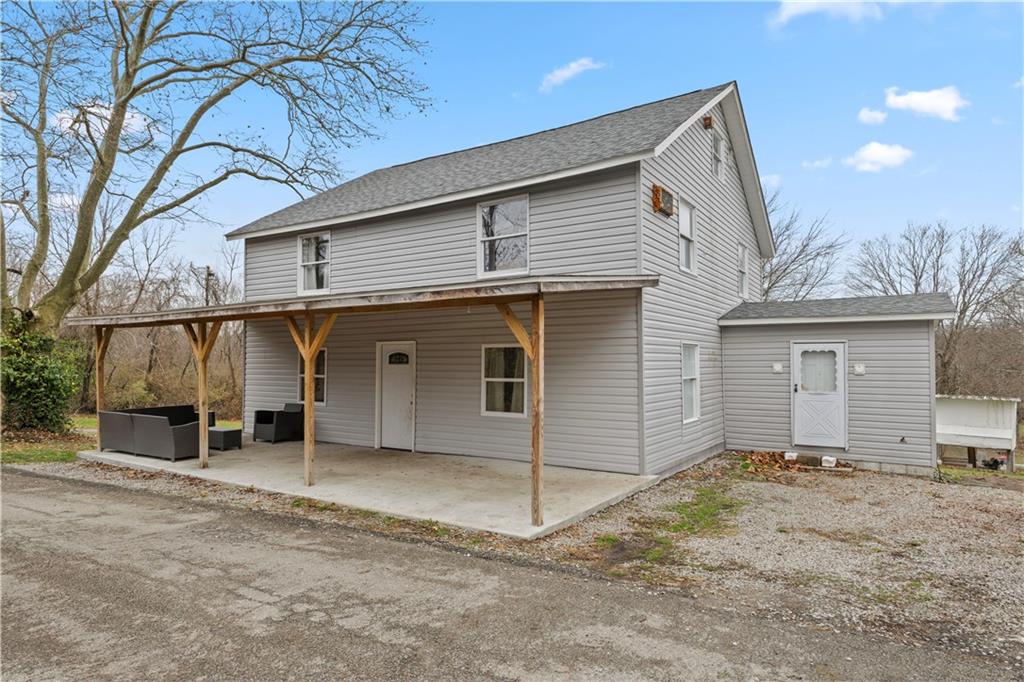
(307, 322)
(478, 493)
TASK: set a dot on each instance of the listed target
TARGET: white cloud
(1019, 83)
(772, 181)
(851, 11)
(874, 156)
(817, 164)
(871, 117)
(564, 73)
(70, 120)
(943, 103)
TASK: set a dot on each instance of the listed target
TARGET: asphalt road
(101, 583)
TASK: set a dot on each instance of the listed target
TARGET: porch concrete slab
(472, 492)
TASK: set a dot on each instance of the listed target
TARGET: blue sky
(946, 79)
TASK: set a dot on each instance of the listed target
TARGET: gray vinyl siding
(685, 306)
(591, 387)
(582, 225)
(892, 401)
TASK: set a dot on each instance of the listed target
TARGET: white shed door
(397, 395)
(819, 394)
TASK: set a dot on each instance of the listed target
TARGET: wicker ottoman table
(225, 438)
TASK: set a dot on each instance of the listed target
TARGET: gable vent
(663, 200)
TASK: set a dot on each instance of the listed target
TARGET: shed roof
(860, 308)
(614, 138)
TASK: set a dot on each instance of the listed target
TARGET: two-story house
(604, 275)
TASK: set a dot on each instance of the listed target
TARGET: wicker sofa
(170, 432)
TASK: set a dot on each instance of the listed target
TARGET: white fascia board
(446, 198)
(699, 114)
(765, 321)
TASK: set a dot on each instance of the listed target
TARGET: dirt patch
(915, 559)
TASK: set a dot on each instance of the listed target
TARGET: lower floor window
(504, 380)
(691, 382)
(319, 378)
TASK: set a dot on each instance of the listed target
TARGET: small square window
(319, 378)
(687, 244)
(503, 388)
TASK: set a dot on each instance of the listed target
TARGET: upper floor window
(314, 262)
(503, 232)
(687, 250)
(742, 267)
(717, 153)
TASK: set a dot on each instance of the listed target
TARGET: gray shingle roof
(623, 133)
(938, 305)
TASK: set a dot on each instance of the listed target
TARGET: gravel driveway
(105, 583)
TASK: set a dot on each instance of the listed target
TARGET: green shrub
(38, 376)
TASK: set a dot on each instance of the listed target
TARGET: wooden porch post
(103, 335)
(533, 346)
(309, 346)
(537, 408)
(201, 340)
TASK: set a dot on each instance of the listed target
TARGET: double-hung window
(687, 247)
(314, 262)
(503, 228)
(503, 389)
(717, 153)
(742, 268)
(319, 378)
(691, 382)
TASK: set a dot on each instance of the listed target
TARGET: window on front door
(503, 233)
(314, 262)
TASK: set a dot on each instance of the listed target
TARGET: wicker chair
(278, 425)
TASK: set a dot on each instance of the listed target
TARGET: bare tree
(806, 255)
(118, 104)
(982, 268)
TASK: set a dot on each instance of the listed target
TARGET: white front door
(819, 394)
(397, 403)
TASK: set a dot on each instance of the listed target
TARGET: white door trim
(794, 377)
(378, 393)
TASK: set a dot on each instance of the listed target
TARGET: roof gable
(612, 139)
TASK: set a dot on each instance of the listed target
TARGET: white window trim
(480, 239)
(680, 201)
(743, 272)
(299, 272)
(717, 152)
(484, 412)
(683, 379)
(301, 380)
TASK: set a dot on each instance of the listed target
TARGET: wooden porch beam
(537, 411)
(103, 335)
(309, 345)
(201, 339)
(516, 327)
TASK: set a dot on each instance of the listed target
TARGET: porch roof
(472, 293)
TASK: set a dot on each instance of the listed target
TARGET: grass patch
(230, 423)
(959, 473)
(607, 540)
(83, 421)
(39, 447)
(708, 513)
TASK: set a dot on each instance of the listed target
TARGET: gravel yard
(914, 559)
